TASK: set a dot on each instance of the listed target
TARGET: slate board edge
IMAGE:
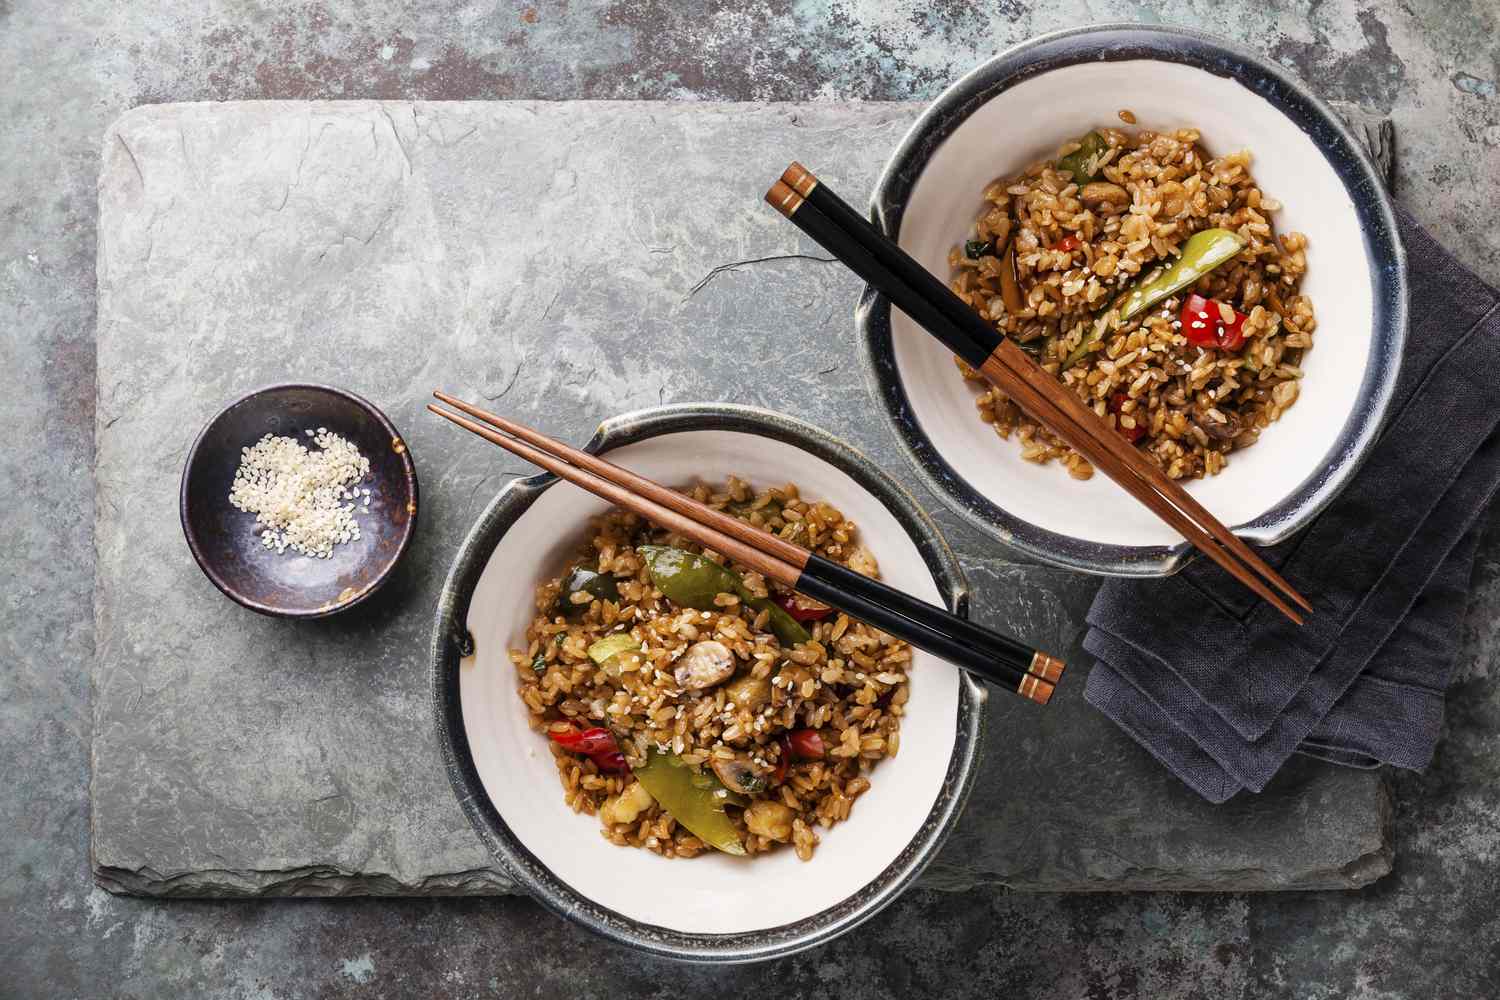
(329, 881)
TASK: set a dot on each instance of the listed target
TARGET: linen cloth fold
(1222, 689)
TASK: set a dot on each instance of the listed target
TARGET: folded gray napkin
(1222, 689)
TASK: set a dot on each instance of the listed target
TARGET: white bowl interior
(714, 894)
(1028, 122)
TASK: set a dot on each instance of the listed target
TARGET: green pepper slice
(695, 799)
(587, 581)
(1083, 162)
(1204, 251)
(607, 651)
(975, 249)
(693, 581)
(746, 509)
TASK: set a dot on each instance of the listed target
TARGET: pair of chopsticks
(996, 658)
(841, 230)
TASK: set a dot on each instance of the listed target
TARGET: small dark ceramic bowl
(714, 908)
(1018, 108)
(224, 541)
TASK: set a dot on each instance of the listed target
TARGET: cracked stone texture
(1429, 929)
(397, 247)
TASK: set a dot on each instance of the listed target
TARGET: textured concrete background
(1429, 929)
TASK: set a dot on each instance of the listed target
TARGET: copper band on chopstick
(782, 198)
(1048, 668)
(799, 179)
(1034, 689)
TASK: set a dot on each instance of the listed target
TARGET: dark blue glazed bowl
(1019, 107)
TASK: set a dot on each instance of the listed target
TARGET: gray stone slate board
(528, 254)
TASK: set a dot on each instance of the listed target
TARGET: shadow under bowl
(224, 539)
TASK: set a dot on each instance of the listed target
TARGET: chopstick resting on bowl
(996, 658)
(929, 302)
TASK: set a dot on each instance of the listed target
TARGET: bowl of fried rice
(671, 750)
(1184, 236)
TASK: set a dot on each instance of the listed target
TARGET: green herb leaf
(975, 249)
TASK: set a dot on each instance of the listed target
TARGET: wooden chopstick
(889, 253)
(687, 506)
(813, 567)
(934, 306)
(649, 503)
(968, 343)
(901, 264)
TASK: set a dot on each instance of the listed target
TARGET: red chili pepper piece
(803, 614)
(1067, 243)
(1203, 324)
(565, 738)
(1232, 334)
(783, 763)
(806, 744)
(1116, 405)
(596, 740)
(596, 743)
(590, 741)
(612, 761)
(1200, 321)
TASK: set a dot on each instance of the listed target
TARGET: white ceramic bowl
(715, 907)
(1019, 108)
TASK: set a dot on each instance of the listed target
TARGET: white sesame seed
(295, 493)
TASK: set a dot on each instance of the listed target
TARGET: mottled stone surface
(1430, 929)
(520, 253)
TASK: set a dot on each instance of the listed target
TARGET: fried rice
(848, 684)
(1077, 248)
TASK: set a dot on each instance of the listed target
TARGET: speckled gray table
(528, 254)
(1429, 929)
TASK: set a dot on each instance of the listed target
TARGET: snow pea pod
(1083, 162)
(1203, 252)
(587, 581)
(694, 798)
(609, 651)
(693, 581)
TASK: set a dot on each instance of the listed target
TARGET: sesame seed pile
(303, 500)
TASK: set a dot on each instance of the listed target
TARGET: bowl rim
(451, 642)
(184, 505)
(1114, 42)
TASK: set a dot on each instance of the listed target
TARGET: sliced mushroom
(1103, 193)
(738, 776)
(1219, 430)
(704, 664)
